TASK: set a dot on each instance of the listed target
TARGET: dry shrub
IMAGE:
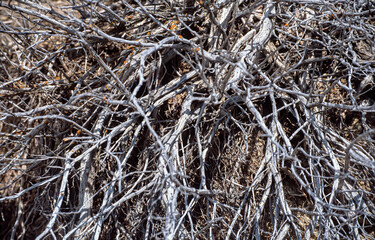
(187, 119)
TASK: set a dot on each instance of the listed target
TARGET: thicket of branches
(227, 119)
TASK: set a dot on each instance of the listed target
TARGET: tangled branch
(187, 120)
